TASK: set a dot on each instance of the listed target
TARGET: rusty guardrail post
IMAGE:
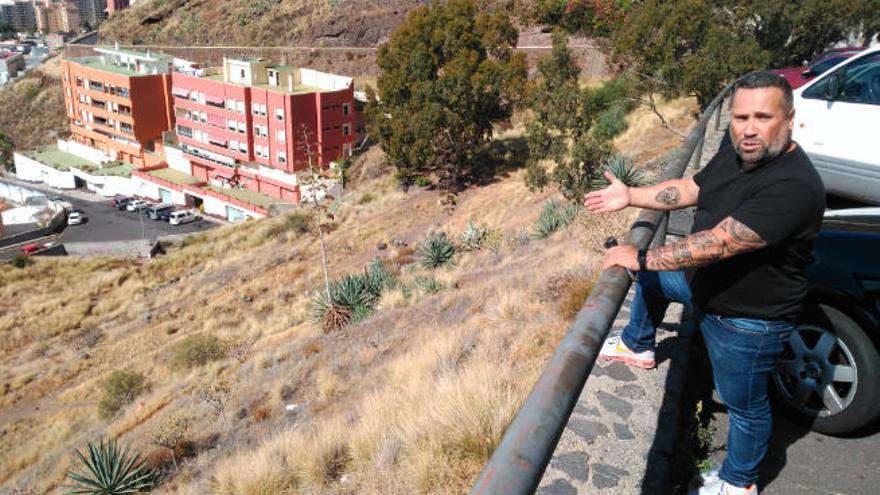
(517, 465)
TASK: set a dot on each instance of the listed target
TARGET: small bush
(429, 284)
(298, 222)
(554, 217)
(197, 350)
(436, 251)
(366, 198)
(379, 278)
(21, 261)
(119, 389)
(423, 181)
(610, 123)
(574, 294)
(109, 470)
(473, 236)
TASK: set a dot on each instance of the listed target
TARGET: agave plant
(107, 470)
(379, 278)
(624, 170)
(554, 217)
(429, 284)
(473, 236)
(436, 251)
(353, 292)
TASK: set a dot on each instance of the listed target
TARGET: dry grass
(411, 400)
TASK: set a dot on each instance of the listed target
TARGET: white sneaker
(615, 350)
(717, 486)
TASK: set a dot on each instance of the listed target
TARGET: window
(279, 114)
(231, 125)
(242, 127)
(203, 117)
(239, 106)
(346, 130)
(345, 109)
(282, 157)
(123, 92)
(242, 147)
(281, 136)
(79, 81)
(184, 131)
(230, 104)
(242, 73)
(859, 82)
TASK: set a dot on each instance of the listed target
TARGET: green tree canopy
(448, 74)
(696, 46)
(560, 131)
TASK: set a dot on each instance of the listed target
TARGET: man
(741, 270)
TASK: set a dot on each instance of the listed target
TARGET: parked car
(154, 211)
(34, 247)
(137, 205)
(121, 202)
(829, 375)
(798, 76)
(76, 217)
(183, 216)
(165, 214)
(835, 122)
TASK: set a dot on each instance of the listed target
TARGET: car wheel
(829, 374)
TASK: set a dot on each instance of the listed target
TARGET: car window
(860, 82)
(826, 64)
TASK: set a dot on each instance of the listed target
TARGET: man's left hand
(625, 256)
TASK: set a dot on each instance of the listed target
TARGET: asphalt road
(110, 231)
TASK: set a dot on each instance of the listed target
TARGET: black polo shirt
(783, 201)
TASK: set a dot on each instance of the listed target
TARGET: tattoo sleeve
(670, 196)
(726, 239)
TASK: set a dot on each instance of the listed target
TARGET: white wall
(177, 161)
(16, 193)
(34, 171)
(217, 207)
(143, 188)
(323, 80)
(83, 151)
(23, 215)
(278, 175)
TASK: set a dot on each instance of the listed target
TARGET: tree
(694, 47)
(448, 74)
(560, 130)
(7, 147)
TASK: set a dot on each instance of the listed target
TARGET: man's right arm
(667, 195)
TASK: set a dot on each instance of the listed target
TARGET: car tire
(828, 377)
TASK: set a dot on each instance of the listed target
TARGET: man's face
(760, 127)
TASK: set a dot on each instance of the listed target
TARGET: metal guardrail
(517, 465)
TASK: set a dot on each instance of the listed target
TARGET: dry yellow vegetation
(412, 399)
(32, 106)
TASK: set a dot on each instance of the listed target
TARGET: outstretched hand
(615, 197)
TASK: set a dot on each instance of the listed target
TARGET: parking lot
(113, 232)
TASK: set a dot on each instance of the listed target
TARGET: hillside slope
(258, 22)
(33, 107)
(412, 399)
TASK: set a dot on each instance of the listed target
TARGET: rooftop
(248, 196)
(118, 169)
(281, 88)
(59, 160)
(175, 177)
(127, 62)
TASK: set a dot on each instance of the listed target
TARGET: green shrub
(429, 284)
(119, 389)
(554, 217)
(21, 261)
(109, 470)
(379, 278)
(423, 181)
(197, 350)
(366, 198)
(610, 123)
(436, 251)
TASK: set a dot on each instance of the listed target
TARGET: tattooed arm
(726, 239)
(668, 195)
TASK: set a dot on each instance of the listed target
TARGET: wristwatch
(643, 260)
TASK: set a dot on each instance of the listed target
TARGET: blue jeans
(742, 351)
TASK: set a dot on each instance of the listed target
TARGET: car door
(839, 131)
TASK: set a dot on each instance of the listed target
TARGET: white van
(837, 122)
(181, 217)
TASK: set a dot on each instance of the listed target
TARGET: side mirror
(832, 90)
(806, 74)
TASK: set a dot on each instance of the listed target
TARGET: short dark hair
(766, 79)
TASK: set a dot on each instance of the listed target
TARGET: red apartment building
(253, 125)
(119, 103)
